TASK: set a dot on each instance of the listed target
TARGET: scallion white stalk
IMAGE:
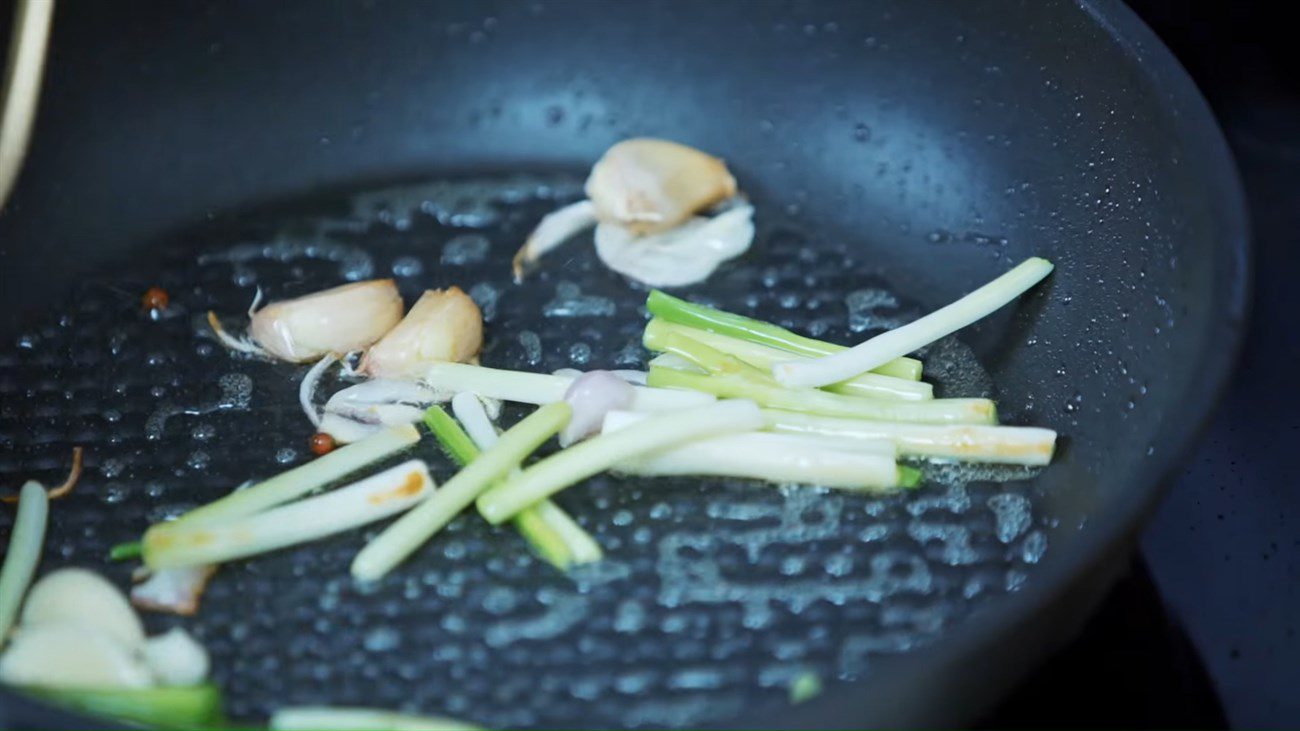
(543, 388)
(885, 347)
(306, 477)
(856, 464)
(766, 392)
(599, 453)
(550, 530)
(872, 385)
(1025, 445)
(411, 531)
(376, 497)
(23, 553)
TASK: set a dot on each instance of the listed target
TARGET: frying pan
(905, 150)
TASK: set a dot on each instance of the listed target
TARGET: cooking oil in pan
(716, 595)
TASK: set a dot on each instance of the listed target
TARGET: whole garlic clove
(651, 185)
(86, 599)
(444, 325)
(71, 656)
(176, 658)
(337, 320)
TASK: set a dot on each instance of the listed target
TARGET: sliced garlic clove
(337, 320)
(444, 325)
(651, 185)
(86, 599)
(176, 658)
(685, 255)
(71, 656)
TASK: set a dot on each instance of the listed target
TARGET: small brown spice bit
(321, 444)
(156, 298)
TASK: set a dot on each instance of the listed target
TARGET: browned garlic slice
(684, 255)
(652, 185)
(444, 325)
(336, 320)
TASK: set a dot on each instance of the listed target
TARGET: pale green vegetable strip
(702, 317)
(306, 477)
(23, 553)
(1026, 445)
(766, 393)
(885, 347)
(327, 718)
(756, 457)
(842, 462)
(553, 533)
(172, 545)
(883, 447)
(412, 530)
(557, 536)
(194, 706)
(872, 385)
(599, 453)
(542, 388)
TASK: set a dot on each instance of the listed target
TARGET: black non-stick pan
(898, 154)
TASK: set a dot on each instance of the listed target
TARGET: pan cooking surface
(715, 594)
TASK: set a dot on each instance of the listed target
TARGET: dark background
(1203, 631)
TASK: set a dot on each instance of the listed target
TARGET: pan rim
(1085, 557)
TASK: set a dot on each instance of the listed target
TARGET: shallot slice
(359, 411)
(173, 590)
(685, 255)
(307, 389)
(592, 395)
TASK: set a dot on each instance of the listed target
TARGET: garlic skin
(176, 658)
(685, 255)
(336, 320)
(86, 599)
(649, 185)
(71, 656)
(444, 325)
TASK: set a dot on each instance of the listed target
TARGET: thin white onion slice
(681, 256)
(360, 410)
(554, 229)
(307, 389)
